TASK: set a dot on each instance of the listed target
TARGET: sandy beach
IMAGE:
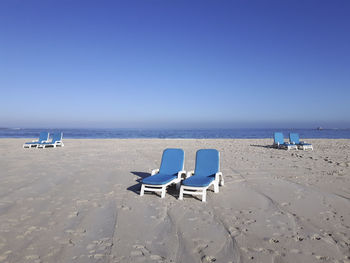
(81, 203)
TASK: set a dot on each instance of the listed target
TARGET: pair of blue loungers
(294, 142)
(206, 173)
(43, 141)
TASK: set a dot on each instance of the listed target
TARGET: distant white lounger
(281, 144)
(43, 137)
(56, 141)
(294, 139)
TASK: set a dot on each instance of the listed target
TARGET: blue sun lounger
(206, 173)
(43, 137)
(170, 172)
(56, 141)
(294, 139)
(279, 142)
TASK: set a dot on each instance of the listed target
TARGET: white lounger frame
(54, 145)
(305, 146)
(33, 145)
(191, 190)
(162, 188)
(288, 147)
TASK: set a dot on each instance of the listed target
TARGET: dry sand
(80, 203)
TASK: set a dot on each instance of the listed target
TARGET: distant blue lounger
(206, 173)
(294, 139)
(279, 142)
(56, 141)
(170, 172)
(43, 137)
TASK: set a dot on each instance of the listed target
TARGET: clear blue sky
(174, 63)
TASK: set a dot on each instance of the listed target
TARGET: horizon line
(173, 128)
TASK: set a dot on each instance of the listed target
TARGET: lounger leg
(204, 195)
(142, 192)
(163, 192)
(178, 185)
(216, 187)
(222, 182)
(181, 195)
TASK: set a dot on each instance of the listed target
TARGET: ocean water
(177, 133)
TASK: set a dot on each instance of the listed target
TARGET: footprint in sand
(82, 202)
(124, 207)
(299, 238)
(31, 257)
(156, 257)
(343, 164)
(206, 258)
(98, 256)
(323, 258)
(234, 231)
(73, 214)
(90, 246)
(5, 255)
(273, 240)
(136, 253)
(295, 251)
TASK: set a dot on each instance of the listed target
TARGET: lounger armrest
(189, 174)
(154, 171)
(181, 174)
(220, 178)
(34, 141)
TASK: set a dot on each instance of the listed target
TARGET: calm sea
(176, 133)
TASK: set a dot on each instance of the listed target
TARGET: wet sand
(81, 203)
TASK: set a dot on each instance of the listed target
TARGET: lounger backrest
(172, 161)
(207, 162)
(44, 136)
(57, 137)
(278, 138)
(294, 138)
